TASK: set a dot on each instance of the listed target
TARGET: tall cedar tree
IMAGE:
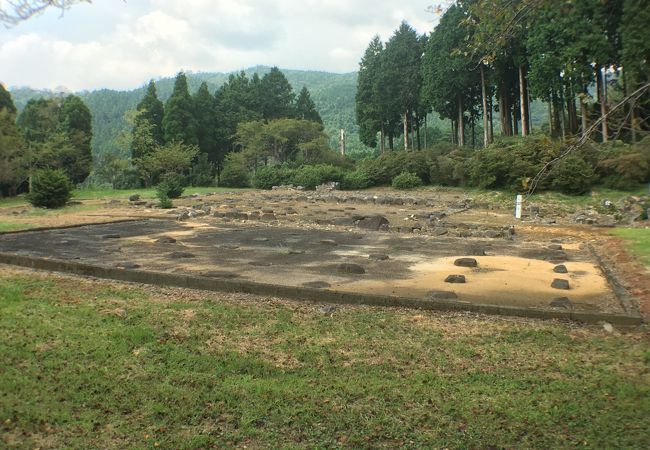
(6, 102)
(402, 73)
(179, 121)
(368, 108)
(278, 96)
(152, 110)
(204, 108)
(75, 121)
(306, 108)
(12, 162)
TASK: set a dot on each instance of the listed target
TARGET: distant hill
(332, 93)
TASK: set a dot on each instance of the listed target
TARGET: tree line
(207, 125)
(486, 60)
(54, 133)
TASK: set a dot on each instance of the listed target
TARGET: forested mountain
(332, 93)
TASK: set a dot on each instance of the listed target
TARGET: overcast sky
(121, 45)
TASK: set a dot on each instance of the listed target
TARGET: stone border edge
(300, 293)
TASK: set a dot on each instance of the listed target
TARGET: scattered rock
(111, 236)
(559, 283)
(562, 302)
(441, 295)
(328, 309)
(331, 242)
(466, 262)
(127, 265)
(455, 279)
(555, 247)
(219, 274)
(267, 210)
(608, 327)
(439, 231)
(268, 217)
(373, 223)
(560, 268)
(139, 203)
(260, 263)
(229, 246)
(181, 255)
(165, 240)
(350, 268)
(134, 197)
(184, 215)
(260, 239)
(292, 251)
(317, 284)
(378, 257)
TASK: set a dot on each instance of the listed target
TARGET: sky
(122, 44)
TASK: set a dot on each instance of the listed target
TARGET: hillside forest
(497, 93)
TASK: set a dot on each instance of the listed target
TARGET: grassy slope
(88, 364)
(638, 242)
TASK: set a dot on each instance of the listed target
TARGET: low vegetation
(105, 365)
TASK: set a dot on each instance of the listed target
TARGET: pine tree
(179, 122)
(369, 112)
(204, 107)
(12, 158)
(306, 108)
(75, 121)
(152, 110)
(278, 96)
(6, 102)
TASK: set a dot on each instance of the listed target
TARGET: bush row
(509, 163)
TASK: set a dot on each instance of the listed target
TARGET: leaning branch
(633, 97)
(12, 12)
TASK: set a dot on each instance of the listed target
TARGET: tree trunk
(486, 131)
(461, 123)
(417, 132)
(406, 132)
(583, 114)
(426, 116)
(382, 136)
(523, 102)
(453, 131)
(391, 141)
(515, 125)
(601, 88)
(491, 136)
(473, 132)
(571, 111)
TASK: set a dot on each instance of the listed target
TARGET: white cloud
(159, 37)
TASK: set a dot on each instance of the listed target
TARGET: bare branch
(632, 98)
(12, 12)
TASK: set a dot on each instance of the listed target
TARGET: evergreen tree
(6, 102)
(151, 109)
(306, 108)
(179, 122)
(12, 157)
(75, 121)
(402, 74)
(278, 96)
(204, 107)
(369, 111)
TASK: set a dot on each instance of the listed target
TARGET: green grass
(107, 194)
(638, 240)
(10, 226)
(88, 364)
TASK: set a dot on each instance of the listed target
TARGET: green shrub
(171, 185)
(381, 171)
(269, 176)
(234, 172)
(311, 176)
(202, 173)
(572, 175)
(165, 202)
(50, 189)
(406, 180)
(355, 180)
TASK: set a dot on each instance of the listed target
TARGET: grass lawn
(94, 364)
(638, 242)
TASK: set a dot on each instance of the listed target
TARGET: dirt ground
(318, 239)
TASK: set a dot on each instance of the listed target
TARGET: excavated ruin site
(443, 250)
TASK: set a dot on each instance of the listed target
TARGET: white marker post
(519, 201)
